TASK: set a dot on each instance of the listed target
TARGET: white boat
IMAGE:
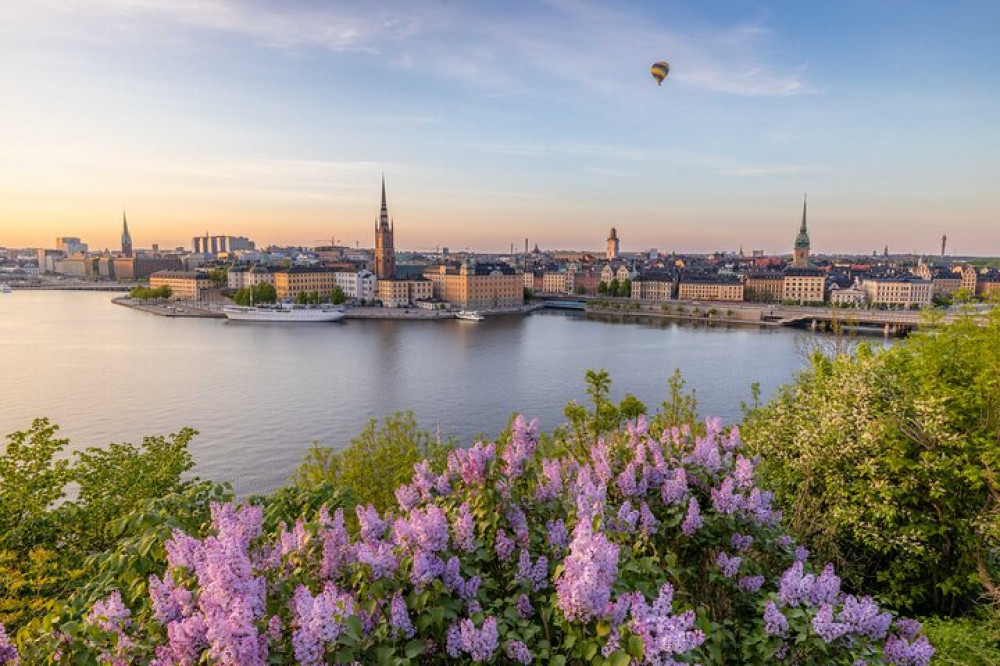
(282, 313)
(5, 288)
(469, 315)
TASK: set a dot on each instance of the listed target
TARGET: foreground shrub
(887, 464)
(651, 548)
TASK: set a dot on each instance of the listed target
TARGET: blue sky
(496, 121)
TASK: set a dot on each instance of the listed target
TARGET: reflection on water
(260, 393)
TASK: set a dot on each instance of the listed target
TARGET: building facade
(219, 244)
(710, 288)
(290, 282)
(397, 293)
(361, 285)
(803, 285)
(654, 287)
(906, 292)
(184, 285)
(474, 286)
(765, 286)
(385, 252)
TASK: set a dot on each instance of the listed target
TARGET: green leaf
(414, 648)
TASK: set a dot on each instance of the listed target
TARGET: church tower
(126, 238)
(385, 253)
(801, 252)
(613, 244)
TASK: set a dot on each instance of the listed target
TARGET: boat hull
(281, 315)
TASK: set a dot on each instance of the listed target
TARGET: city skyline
(492, 125)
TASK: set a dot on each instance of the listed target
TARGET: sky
(503, 120)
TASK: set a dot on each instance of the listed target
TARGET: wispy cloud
(595, 46)
(750, 171)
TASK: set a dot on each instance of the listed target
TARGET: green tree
(613, 287)
(337, 296)
(625, 289)
(529, 295)
(219, 276)
(602, 287)
(885, 462)
(376, 462)
(301, 298)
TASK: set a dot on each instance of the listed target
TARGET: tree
(376, 461)
(219, 276)
(301, 298)
(613, 287)
(625, 289)
(337, 296)
(529, 295)
(580, 290)
(886, 462)
(602, 287)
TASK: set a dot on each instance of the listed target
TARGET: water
(261, 393)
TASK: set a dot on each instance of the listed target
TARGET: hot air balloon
(659, 70)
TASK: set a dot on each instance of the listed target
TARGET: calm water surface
(261, 393)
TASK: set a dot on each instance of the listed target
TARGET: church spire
(802, 229)
(383, 218)
(126, 237)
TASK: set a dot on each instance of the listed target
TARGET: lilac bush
(647, 548)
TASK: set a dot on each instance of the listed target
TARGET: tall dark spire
(126, 237)
(383, 218)
(802, 229)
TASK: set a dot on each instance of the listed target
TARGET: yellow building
(710, 288)
(905, 292)
(289, 282)
(653, 287)
(477, 286)
(557, 283)
(803, 285)
(768, 287)
(184, 285)
(401, 293)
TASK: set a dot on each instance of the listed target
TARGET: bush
(649, 546)
(376, 462)
(147, 294)
(886, 463)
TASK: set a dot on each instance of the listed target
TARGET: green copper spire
(802, 240)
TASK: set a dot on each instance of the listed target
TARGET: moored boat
(469, 315)
(283, 313)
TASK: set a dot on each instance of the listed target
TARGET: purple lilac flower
(664, 634)
(518, 524)
(274, 628)
(744, 471)
(471, 588)
(590, 495)
(186, 639)
(900, 652)
(907, 628)
(319, 621)
(724, 499)
(751, 583)
(692, 522)
(463, 529)
(627, 518)
(295, 541)
(549, 481)
(648, 524)
(399, 617)
(336, 543)
(795, 585)
(408, 497)
(372, 525)
(453, 641)
(378, 557)
(8, 651)
(523, 440)
(170, 602)
(424, 480)
(518, 651)
(536, 575)
(524, 608)
(863, 616)
(600, 457)
(480, 643)
(426, 568)
(824, 624)
(628, 484)
(825, 588)
(801, 554)
(470, 464)
(674, 489)
(430, 527)
(786, 541)
(732, 442)
(452, 576)
(775, 622)
(557, 535)
(740, 542)
(589, 571)
(504, 546)
(705, 454)
(758, 506)
(730, 565)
